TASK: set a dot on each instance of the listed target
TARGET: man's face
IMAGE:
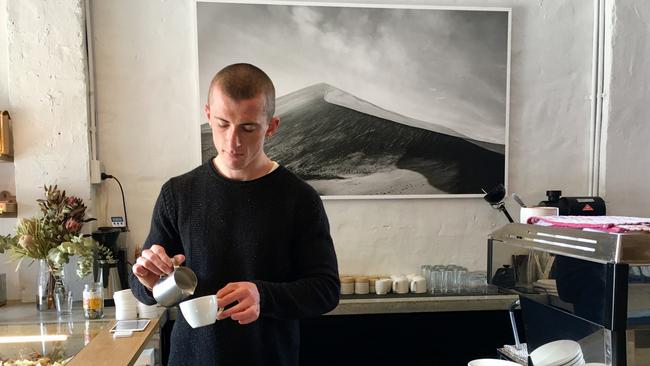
(238, 132)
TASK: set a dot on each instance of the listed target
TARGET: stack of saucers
(148, 311)
(547, 286)
(126, 306)
(558, 353)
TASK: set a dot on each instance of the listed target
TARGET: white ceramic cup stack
(148, 311)
(383, 286)
(558, 353)
(418, 284)
(126, 306)
(400, 284)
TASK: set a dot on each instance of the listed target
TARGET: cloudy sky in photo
(446, 67)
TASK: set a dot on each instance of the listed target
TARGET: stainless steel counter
(412, 303)
(375, 304)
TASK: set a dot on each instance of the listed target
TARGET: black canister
(504, 277)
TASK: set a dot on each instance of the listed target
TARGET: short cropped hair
(244, 81)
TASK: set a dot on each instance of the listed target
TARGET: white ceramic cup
(528, 212)
(201, 311)
(383, 286)
(401, 285)
(418, 284)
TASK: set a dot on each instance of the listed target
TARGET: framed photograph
(374, 101)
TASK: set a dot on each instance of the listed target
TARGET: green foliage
(104, 253)
(6, 242)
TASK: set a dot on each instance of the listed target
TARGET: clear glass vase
(49, 281)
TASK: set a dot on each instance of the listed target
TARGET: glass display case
(50, 343)
(28, 336)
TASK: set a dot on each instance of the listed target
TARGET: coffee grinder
(110, 272)
(114, 272)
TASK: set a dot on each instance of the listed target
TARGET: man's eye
(222, 125)
(248, 128)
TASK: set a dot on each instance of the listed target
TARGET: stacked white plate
(547, 286)
(558, 353)
(126, 306)
(492, 362)
(148, 311)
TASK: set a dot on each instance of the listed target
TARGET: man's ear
(207, 112)
(274, 124)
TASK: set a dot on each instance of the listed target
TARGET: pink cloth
(612, 224)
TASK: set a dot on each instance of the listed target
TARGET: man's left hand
(247, 298)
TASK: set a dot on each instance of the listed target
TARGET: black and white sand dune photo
(373, 102)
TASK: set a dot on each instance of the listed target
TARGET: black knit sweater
(272, 231)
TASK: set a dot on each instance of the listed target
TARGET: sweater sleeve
(316, 288)
(164, 232)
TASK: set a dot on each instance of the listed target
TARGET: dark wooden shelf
(8, 215)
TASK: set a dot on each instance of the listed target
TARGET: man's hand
(247, 309)
(153, 263)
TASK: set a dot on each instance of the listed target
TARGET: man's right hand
(153, 263)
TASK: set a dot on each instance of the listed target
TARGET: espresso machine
(587, 287)
(112, 273)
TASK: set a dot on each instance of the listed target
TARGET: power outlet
(96, 170)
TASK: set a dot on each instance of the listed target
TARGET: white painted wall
(147, 128)
(47, 97)
(627, 163)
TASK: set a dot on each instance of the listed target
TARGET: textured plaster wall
(148, 130)
(47, 82)
(626, 170)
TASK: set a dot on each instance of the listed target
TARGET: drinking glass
(460, 280)
(436, 282)
(63, 302)
(425, 269)
(477, 282)
(447, 281)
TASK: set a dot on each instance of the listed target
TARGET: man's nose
(233, 138)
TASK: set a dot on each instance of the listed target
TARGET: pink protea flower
(73, 201)
(73, 225)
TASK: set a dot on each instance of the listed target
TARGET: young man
(253, 232)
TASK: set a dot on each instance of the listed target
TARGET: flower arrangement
(54, 235)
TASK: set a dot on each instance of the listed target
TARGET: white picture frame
(376, 101)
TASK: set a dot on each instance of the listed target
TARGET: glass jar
(93, 301)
